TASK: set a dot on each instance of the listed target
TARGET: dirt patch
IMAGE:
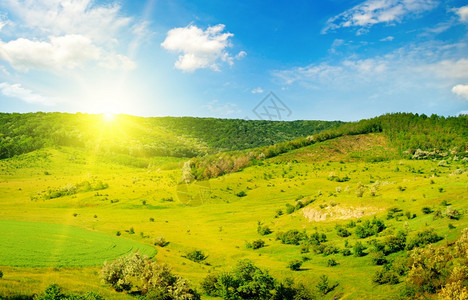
(338, 213)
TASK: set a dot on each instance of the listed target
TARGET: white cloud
(387, 39)
(258, 90)
(462, 12)
(413, 67)
(372, 12)
(222, 108)
(67, 51)
(18, 92)
(200, 48)
(60, 17)
(461, 90)
(68, 33)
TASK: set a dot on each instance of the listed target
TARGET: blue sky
(325, 60)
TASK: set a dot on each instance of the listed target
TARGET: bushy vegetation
(147, 277)
(196, 256)
(55, 292)
(369, 228)
(247, 281)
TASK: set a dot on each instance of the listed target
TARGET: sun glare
(108, 117)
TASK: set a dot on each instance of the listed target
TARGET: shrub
(1, 274)
(426, 210)
(131, 230)
(358, 249)
(383, 276)
(264, 230)
(290, 209)
(331, 262)
(394, 243)
(325, 249)
(196, 256)
(324, 286)
(341, 231)
(378, 258)
(423, 238)
(209, 285)
(143, 276)
(161, 242)
(291, 237)
(241, 194)
(369, 228)
(151, 219)
(295, 265)
(118, 233)
(257, 244)
(346, 252)
(316, 238)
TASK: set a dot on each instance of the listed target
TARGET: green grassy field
(33, 244)
(80, 229)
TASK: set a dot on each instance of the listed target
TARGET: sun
(108, 116)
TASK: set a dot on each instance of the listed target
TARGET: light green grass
(221, 223)
(35, 244)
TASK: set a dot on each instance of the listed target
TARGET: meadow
(65, 210)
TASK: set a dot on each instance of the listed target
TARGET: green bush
(144, 276)
(378, 258)
(290, 209)
(383, 276)
(324, 286)
(331, 262)
(264, 230)
(257, 244)
(1, 274)
(423, 238)
(369, 228)
(358, 249)
(341, 231)
(426, 210)
(241, 194)
(295, 265)
(291, 237)
(196, 256)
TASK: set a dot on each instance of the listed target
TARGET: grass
(34, 244)
(210, 217)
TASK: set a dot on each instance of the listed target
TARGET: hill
(145, 137)
(356, 212)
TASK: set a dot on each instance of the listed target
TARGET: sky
(274, 60)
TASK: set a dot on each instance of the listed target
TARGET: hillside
(355, 212)
(145, 137)
(429, 137)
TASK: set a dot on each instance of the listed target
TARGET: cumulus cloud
(372, 12)
(462, 12)
(23, 94)
(461, 90)
(67, 51)
(59, 17)
(67, 34)
(200, 48)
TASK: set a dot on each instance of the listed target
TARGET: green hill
(145, 137)
(374, 209)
